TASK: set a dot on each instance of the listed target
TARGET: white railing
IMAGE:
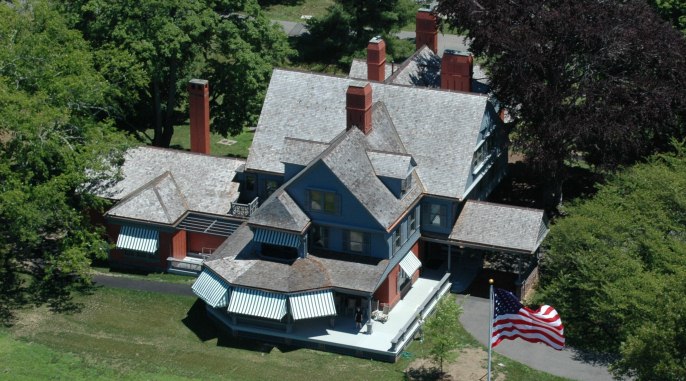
(184, 265)
(243, 210)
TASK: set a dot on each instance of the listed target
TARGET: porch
(385, 342)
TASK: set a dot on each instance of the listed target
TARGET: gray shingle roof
(423, 68)
(358, 69)
(204, 181)
(394, 165)
(438, 128)
(158, 201)
(280, 212)
(500, 226)
(241, 267)
(301, 152)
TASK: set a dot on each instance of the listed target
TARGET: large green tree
(350, 24)
(615, 269)
(51, 138)
(149, 49)
(673, 11)
(597, 81)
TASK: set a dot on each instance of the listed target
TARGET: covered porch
(376, 340)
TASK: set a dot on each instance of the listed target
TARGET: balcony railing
(184, 265)
(243, 210)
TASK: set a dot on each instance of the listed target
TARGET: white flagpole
(490, 325)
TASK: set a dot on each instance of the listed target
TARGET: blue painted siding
(438, 215)
(263, 184)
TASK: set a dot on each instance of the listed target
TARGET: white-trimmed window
(397, 240)
(437, 215)
(412, 222)
(319, 236)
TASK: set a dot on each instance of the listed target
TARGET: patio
(386, 341)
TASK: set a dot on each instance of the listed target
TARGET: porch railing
(244, 210)
(424, 309)
(183, 265)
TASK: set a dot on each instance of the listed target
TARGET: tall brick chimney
(456, 70)
(199, 99)
(426, 30)
(376, 60)
(358, 106)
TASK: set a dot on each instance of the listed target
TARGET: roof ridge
(506, 205)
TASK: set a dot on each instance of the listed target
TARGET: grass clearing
(296, 9)
(154, 277)
(238, 145)
(124, 334)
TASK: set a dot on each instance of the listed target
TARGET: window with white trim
(412, 222)
(396, 239)
(356, 241)
(437, 215)
(322, 201)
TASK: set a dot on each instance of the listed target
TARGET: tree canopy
(51, 138)
(615, 269)
(600, 81)
(150, 49)
(673, 11)
(442, 329)
(350, 24)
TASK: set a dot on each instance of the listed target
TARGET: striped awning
(312, 304)
(410, 263)
(211, 288)
(138, 239)
(268, 305)
(278, 238)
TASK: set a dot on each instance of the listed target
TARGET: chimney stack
(426, 30)
(456, 70)
(358, 106)
(376, 59)
(199, 99)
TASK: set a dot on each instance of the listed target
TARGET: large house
(368, 189)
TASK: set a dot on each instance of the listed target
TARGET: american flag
(512, 320)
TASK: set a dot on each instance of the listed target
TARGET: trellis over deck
(386, 342)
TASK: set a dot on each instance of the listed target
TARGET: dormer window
(322, 201)
(406, 185)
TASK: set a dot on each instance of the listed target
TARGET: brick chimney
(426, 30)
(358, 106)
(199, 99)
(376, 60)
(456, 70)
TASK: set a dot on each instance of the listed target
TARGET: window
(411, 222)
(402, 280)
(250, 183)
(319, 237)
(271, 187)
(406, 185)
(437, 215)
(321, 201)
(356, 242)
(396, 239)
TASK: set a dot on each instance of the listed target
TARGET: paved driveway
(565, 363)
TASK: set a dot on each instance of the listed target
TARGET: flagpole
(490, 325)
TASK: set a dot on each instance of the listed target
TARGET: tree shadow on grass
(426, 374)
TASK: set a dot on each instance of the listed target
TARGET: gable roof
(423, 68)
(280, 212)
(158, 201)
(390, 164)
(301, 152)
(204, 182)
(504, 227)
(438, 128)
(358, 69)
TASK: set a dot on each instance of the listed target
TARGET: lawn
(123, 334)
(236, 146)
(293, 10)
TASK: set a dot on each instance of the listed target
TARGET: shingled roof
(500, 227)
(203, 182)
(280, 212)
(438, 128)
(239, 266)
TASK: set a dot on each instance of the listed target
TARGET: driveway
(566, 363)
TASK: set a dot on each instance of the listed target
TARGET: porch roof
(500, 227)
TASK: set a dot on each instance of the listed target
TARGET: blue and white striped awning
(211, 288)
(138, 239)
(268, 305)
(312, 304)
(278, 238)
(410, 263)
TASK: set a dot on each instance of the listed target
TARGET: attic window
(322, 201)
(406, 185)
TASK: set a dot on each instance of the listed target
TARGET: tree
(50, 99)
(442, 329)
(673, 11)
(150, 49)
(598, 81)
(350, 24)
(615, 269)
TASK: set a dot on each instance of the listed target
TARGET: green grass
(182, 140)
(124, 334)
(285, 12)
(155, 277)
